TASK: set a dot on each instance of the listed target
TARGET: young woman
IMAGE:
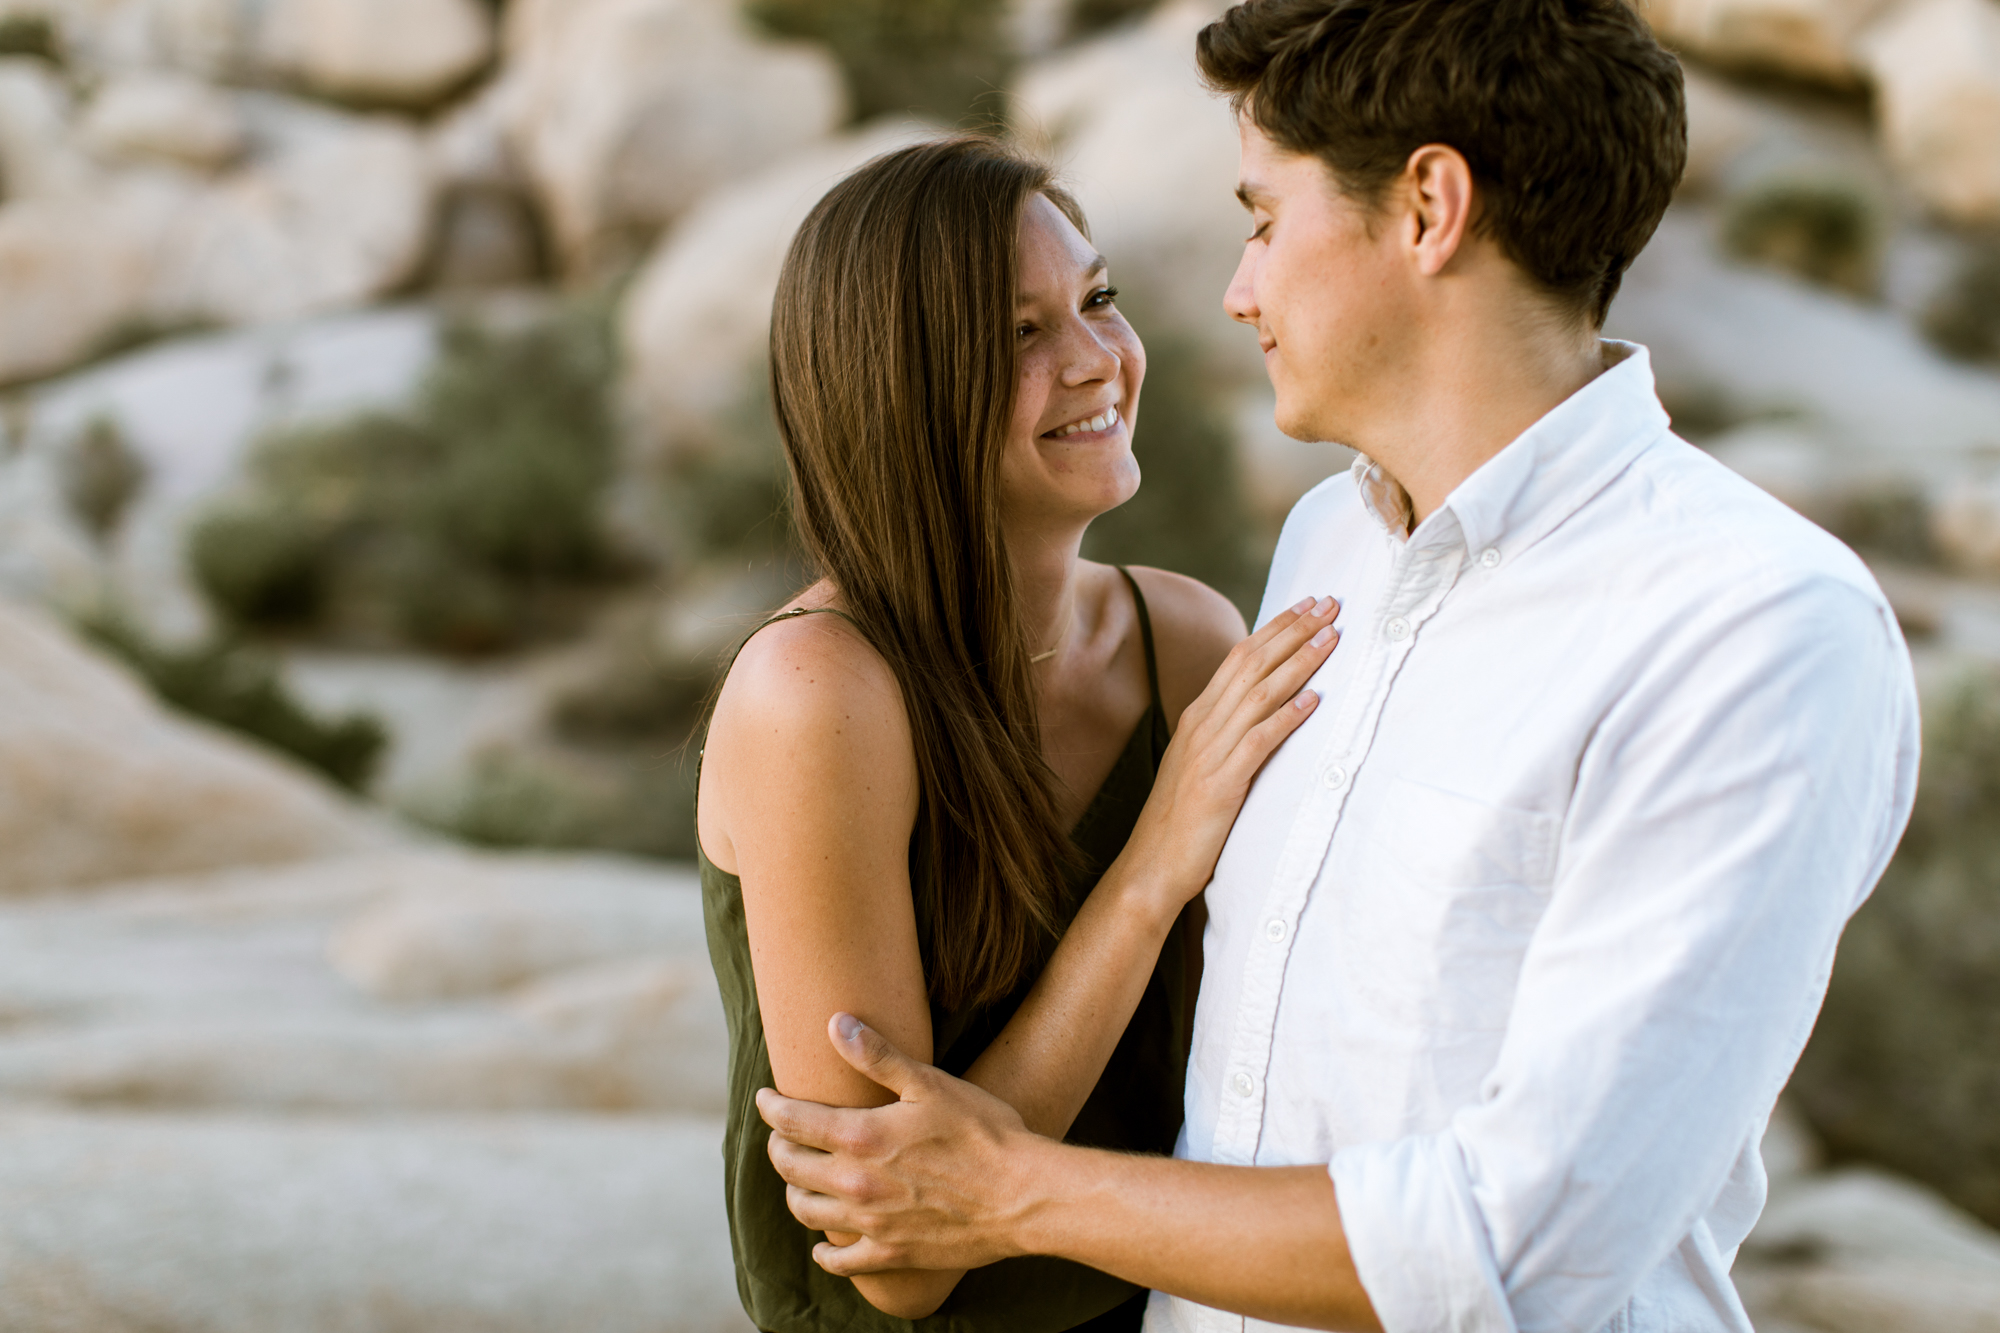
(936, 762)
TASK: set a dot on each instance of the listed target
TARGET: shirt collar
(1546, 474)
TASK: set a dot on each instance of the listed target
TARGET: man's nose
(1240, 301)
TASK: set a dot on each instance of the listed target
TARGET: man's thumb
(873, 1054)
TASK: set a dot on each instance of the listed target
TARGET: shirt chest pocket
(1448, 892)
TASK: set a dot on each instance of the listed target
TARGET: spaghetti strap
(1145, 635)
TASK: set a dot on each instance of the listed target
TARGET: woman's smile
(1102, 424)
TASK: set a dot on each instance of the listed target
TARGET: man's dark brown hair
(1569, 113)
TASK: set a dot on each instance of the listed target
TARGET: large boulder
(245, 1224)
(697, 324)
(1860, 1250)
(631, 110)
(337, 212)
(386, 52)
(478, 934)
(1967, 525)
(1805, 39)
(328, 211)
(159, 116)
(38, 160)
(326, 986)
(1750, 343)
(1936, 66)
(80, 268)
(99, 783)
(1169, 222)
(405, 53)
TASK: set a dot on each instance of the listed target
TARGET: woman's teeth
(1103, 421)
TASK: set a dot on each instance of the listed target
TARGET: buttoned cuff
(1418, 1241)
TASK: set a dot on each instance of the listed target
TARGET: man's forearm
(1258, 1240)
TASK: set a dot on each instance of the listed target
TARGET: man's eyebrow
(1250, 193)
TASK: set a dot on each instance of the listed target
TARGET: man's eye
(1258, 234)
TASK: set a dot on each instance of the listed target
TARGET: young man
(1517, 939)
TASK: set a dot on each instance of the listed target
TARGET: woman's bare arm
(809, 789)
(812, 785)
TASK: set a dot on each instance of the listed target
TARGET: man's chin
(1297, 424)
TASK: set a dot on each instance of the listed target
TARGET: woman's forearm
(1051, 1054)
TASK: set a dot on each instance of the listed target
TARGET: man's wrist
(1043, 1169)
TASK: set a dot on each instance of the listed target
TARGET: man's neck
(1472, 394)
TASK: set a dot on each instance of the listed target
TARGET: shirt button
(1274, 930)
(1489, 557)
(1399, 629)
(1242, 1085)
(1335, 778)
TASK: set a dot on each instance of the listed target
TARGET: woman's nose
(1091, 358)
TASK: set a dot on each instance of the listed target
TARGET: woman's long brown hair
(893, 369)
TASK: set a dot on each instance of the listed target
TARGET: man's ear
(1440, 192)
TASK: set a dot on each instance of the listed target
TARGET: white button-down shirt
(1523, 930)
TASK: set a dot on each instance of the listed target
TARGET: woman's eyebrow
(1098, 263)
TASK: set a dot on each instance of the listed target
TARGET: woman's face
(1069, 446)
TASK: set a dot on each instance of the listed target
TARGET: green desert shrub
(1964, 319)
(947, 59)
(1189, 515)
(456, 524)
(1088, 16)
(1904, 1067)
(239, 688)
(640, 805)
(101, 476)
(30, 35)
(1823, 230)
(1891, 522)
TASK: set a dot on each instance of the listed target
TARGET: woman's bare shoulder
(810, 711)
(1194, 627)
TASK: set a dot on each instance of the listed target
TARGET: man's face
(1323, 282)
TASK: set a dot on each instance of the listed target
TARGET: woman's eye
(1100, 298)
(1023, 330)
(1258, 234)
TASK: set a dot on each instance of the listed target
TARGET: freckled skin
(1078, 356)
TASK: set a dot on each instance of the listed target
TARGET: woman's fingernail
(1322, 606)
(1323, 638)
(1303, 606)
(1305, 700)
(850, 1027)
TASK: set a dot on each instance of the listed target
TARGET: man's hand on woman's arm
(948, 1176)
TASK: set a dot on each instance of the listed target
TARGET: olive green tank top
(1136, 1106)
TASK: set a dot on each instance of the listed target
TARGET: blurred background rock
(386, 471)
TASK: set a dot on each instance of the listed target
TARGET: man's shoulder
(1687, 524)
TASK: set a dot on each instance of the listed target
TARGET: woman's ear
(1439, 185)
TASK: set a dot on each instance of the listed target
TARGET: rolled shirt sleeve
(1730, 812)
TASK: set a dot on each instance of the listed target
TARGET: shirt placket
(1418, 579)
